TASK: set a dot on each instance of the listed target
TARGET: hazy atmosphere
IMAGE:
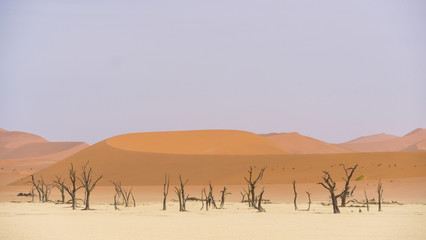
(333, 70)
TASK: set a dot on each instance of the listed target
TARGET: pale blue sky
(333, 70)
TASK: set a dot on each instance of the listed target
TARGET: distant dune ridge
(299, 144)
(388, 143)
(219, 156)
(24, 153)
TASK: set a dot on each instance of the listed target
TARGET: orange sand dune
(13, 139)
(24, 153)
(196, 142)
(56, 150)
(300, 144)
(147, 168)
(382, 143)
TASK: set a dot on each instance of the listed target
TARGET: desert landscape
(210, 192)
(215, 120)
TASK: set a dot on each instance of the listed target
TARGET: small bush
(360, 177)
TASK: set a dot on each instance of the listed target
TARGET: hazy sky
(333, 70)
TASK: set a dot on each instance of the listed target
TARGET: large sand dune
(386, 143)
(135, 167)
(204, 142)
(300, 144)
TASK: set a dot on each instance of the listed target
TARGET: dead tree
(72, 190)
(348, 173)
(252, 184)
(59, 184)
(166, 190)
(259, 202)
(45, 190)
(222, 201)
(116, 202)
(210, 198)
(36, 186)
(380, 193)
(295, 195)
(330, 185)
(203, 193)
(32, 194)
(366, 200)
(309, 199)
(243, 196)
(181, 194)
(88, 183)
(124, 194)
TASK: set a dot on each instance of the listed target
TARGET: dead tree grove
(43, 189)
(348, 173)
(166, 190)
(380, 194)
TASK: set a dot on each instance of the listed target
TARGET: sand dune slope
(420, 146)
(300, 144)
(196, 142)
(386, 143)
(141, 168)
(14, 139)
(25, 153)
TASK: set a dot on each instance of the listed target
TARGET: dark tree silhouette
(224, 193)
(366, 200)
(309, 200)
(59, 184)
(330, 185)
(88, 183)
(124, 193)
(166, 190)
(181, 194)
(348, 173)
(380, 193)
(295, 195)
(252, 184)
(72, 190)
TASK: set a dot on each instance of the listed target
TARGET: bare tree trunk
(87, 181)
(295, 195)
(366, 200)
(330, 185)
(252, 184)
(32, 194)
(309, 199)
(259, 202)
(179, 193)
(115, 202)
(224, 193)
(166, 190)
(243, 196)
(380, 193)
(349, 173)
(202, 198)
(182, 191)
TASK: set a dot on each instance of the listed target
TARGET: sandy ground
(237, 221)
